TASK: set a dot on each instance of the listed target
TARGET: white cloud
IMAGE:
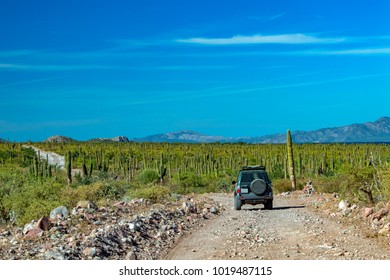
(277, 16)
(369, 51)
(52, 67)
(297, 38)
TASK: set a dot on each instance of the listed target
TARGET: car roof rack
(254, 167)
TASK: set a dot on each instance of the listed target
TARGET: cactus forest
(31, 186)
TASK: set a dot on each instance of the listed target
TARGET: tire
(258, 186)
(237, 203)
(269, 205)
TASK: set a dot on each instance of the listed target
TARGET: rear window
(247, 177)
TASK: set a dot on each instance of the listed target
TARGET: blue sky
(89, 69)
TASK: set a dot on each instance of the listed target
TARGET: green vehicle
(253, 186)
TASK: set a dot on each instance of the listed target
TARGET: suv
(253, 186)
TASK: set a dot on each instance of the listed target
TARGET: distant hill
(59, 139)
(184, 136)
(3, 141)
(114, 139)
(378, 131)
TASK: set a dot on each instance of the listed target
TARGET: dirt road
(291, 231)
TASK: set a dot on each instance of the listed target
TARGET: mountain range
(369, 132)
(378, 131)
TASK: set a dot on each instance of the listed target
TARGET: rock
(28, 227)
(121, 204)
(385, 230)
(380, 214)
(375, 224)
(134, 227)
(59, 212)
(309, 189)
(343, 204)
(188, 207)
(86, 204)
(90, 251)
(33, 233)
(43, 223)
(131, 256)
(346, 211)
(214, 210)
(53, 255)
(5, 233)
(368, 211)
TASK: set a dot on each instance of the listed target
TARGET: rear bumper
(254, 199)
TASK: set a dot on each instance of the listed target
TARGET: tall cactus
(36, 166)
(162, 170)
(69, 168)
(290, 157)
(84, 169)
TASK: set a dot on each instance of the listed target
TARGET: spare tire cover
(258, 186)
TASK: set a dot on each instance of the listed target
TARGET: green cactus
(290, 157)
(84, 169)
(69, 168)
(162, 170)
(36, 166)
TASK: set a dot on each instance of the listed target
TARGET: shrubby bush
(152, 192)
(32, 200)
(148, 176)
(28, 197)
(281, 185)
(384, 179)
(190, 182)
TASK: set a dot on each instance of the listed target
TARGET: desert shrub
(189, 182)
(282, 185)
(32, 200)
(384, 179)
(112, 190)
(224, 185)
(324, 184)
(358, 184)
(154, 193)
(148, 176)
(70, 196)
(94, 192)
(9, 180)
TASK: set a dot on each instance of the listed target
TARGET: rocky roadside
(136, 230)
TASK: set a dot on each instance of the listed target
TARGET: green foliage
(32, 199)
(281, 186)
(94, 192)
(148, 176)
(190, 182)
(325, 184)
(358, 184)
(154, 193)
(384, 178)
(224, 185)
